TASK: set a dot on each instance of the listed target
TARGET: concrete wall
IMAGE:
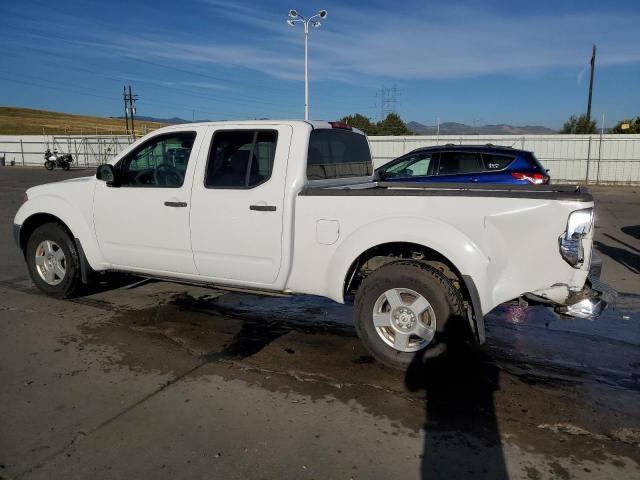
(610, 159)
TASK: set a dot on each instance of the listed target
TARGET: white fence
(570, 158)
(87, 150)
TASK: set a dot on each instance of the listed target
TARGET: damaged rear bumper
(589, 302)
(589, 305)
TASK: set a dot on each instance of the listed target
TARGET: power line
(164, 105)
(235, 81)
(249, 101)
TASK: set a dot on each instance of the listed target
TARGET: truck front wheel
(404, 307)
(53, 261)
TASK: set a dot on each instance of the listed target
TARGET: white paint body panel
(231, 242)
(508, 246)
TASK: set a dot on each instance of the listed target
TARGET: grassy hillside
(26, 121)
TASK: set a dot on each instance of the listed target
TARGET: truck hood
(59, 188)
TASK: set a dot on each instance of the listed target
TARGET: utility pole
(593, 67)
(132, 109)
(126, 112)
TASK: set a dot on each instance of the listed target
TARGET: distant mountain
(453, 128)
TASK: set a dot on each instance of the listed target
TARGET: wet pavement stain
(463, 401)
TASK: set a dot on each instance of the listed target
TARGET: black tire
(447, 304)
(71, 281)
(66, 166)
(49, 165)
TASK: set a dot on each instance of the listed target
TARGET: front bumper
(588, 303)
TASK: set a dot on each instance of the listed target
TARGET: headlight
(578, 226)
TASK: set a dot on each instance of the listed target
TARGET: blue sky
(471, 61)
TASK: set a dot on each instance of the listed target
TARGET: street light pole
(306, 70)
(294, 18)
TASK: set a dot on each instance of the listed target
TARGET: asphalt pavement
(145, 379)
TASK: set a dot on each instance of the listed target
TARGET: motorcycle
(53, 160)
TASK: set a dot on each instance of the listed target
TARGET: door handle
(175, 204)
(474, 180)
(263, 208)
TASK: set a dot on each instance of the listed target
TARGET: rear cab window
(338, 153)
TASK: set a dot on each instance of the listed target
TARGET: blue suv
(466, 163)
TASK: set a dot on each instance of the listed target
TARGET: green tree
(633, 126)
(392, 125)
(360, 122)
(579, 125)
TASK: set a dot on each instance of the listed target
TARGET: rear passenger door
(237, 204)
(458, 167)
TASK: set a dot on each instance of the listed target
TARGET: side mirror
(106, 173)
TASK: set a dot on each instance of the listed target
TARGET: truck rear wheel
(405, 307)
(53, 261)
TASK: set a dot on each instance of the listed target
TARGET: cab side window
(160, 162)
(241, 158)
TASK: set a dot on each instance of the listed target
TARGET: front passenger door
(143, 223)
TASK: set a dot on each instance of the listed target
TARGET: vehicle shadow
(110, 281)
(624, 257)
(632, 230)
(461, 433)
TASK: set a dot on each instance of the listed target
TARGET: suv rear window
(337, 153)
(496, 162)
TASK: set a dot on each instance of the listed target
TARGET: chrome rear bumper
(588, 303)
(588, 308)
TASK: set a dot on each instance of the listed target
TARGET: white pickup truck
(292, 206)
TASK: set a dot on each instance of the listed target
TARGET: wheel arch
(378, 255)
(51, 208)
(437, 241)
(34, 221)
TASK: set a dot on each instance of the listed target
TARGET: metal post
(593, 67)
(586, 180)
(22, 152)
(306, 70)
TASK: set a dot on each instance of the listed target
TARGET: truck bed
(551, 192)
